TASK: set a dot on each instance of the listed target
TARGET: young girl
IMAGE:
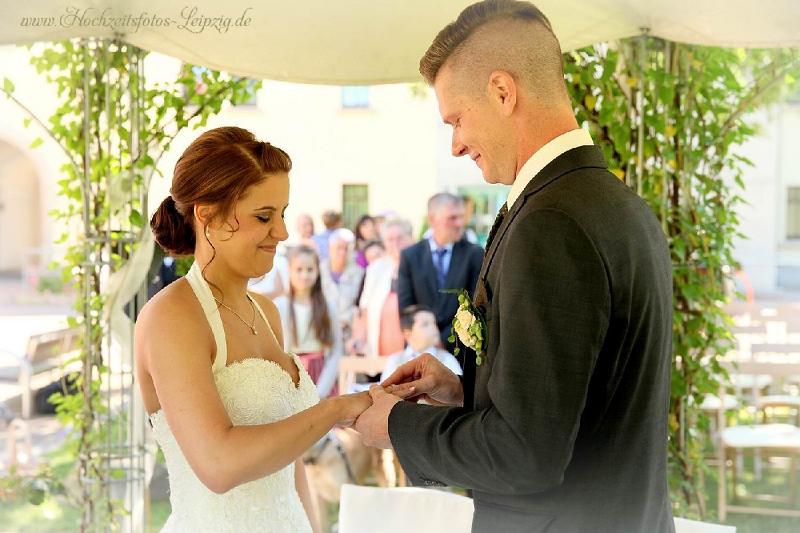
(311, 325)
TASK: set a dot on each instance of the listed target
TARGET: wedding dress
(253, 391)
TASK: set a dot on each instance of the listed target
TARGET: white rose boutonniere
(469, 325)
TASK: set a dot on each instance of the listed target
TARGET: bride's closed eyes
(264, 219)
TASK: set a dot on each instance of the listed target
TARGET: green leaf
(37, 142)
(136, 218)
(8, 86)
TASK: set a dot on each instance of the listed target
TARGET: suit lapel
(493, 244)
(577, 158)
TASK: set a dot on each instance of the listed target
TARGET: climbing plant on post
(669, 118)
(113, 129)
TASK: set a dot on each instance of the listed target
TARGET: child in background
(421, 334)
(310, 323)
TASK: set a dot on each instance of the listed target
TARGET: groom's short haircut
(507, 35)
(439, 200)
(409, 314)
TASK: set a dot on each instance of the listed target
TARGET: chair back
(53, 344)
(404, 509)
(682, 525)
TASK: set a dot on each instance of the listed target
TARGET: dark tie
(497, 222)
(481, 300)
(438, 262)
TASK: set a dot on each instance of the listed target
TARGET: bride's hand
(350, 406)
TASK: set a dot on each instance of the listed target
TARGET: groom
(563, 427)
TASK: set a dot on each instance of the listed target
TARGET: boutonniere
(468, 324)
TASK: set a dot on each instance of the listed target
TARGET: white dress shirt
(545, 155)
(448, 254)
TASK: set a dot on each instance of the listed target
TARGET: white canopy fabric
(366, 42)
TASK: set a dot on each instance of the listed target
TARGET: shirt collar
(543, 156)
(434, 246)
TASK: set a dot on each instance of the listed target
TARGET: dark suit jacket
(416, 280)
(565, 426)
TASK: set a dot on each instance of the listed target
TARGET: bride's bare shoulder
(175, 305)
(172, 323)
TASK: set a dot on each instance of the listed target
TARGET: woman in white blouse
(378, 304)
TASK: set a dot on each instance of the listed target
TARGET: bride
(230, 409)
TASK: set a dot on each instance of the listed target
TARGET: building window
(355, 202)
(355, 97)
(793, 213)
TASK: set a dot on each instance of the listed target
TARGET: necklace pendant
(253, 329)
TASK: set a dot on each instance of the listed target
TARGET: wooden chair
(352, 365)
(772, 440)
(45, 352)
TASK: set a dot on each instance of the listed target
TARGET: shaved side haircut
(506, 35)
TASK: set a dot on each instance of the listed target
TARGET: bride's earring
(208, 234)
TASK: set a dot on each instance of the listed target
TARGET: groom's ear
(502, 91)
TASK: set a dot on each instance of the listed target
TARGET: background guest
(445, 260)
(304, 231)
(373, 250)
(365, 232)
(332, 221)
(310, 323)
(341, 277)
(378, 305)
(421, 335)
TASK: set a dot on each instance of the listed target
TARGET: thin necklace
(251, 326)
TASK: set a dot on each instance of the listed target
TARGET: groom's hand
(373, 424)
(425, 378)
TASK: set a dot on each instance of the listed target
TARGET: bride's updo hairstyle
(216, 169)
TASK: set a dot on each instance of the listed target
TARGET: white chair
(400, 510)
(682, 525)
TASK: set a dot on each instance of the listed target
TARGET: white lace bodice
(253, 391)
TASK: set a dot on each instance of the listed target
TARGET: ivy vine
(689, 106)
(112, 129)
